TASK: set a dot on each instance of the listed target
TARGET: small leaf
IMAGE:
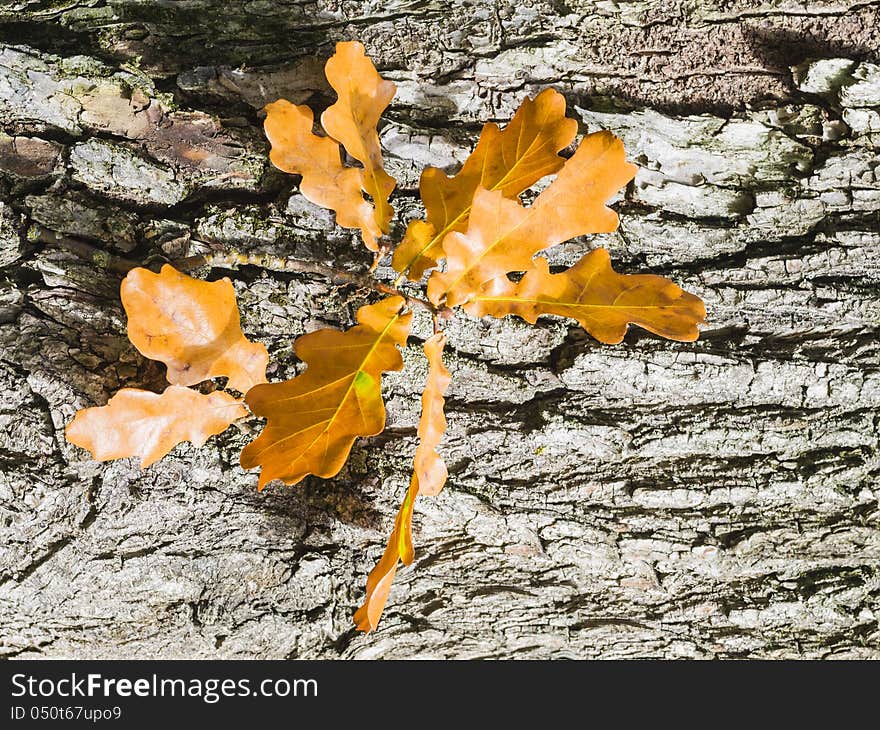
(429, 467)
(428, 478)
(601, 300)
(314, 418)
(140, 423)
(381, 577)
(193, 327)
(511, 161)
(325, 180)
(503, 236)
(363, 96)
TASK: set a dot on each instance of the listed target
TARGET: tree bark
(652, 499)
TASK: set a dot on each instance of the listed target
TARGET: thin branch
(227, 258)
(86, 251)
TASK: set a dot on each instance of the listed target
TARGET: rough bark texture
(716, 499)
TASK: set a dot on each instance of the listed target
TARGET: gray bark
(652, 499)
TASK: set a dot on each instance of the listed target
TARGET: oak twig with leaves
(474, 221)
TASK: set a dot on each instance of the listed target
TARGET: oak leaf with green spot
(314, 418)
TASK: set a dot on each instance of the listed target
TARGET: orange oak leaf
(192, 326)
(503, 236)
(381, 577)
(601, 300)
(325, 180)
(511, 161)
(362, 97)
(149, 425)
(430, 470)
(314, 418)
(428, 478)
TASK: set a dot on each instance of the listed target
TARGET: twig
(86, 251)
(227, 258)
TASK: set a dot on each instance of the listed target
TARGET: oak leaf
(325, 180)
(474, 219)
(381, 577)
(509, 160)
(601, 300)
(314, 418)
(503, 235)
(193, 327)
(430, 470)
(429, 477)
(149, 425)
(362, 97)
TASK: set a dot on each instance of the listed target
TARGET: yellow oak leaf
(503, 235)
(601, 300)
(314, 418)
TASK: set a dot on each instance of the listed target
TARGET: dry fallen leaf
(140, 423)
(193, 327)
(325, 181)
(511, 161)
(601, 300)
(503, 236)
(428, 478)
(314, 418)
(362, 97)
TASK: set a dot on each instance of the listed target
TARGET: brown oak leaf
(362, 97)
(428, 478)
(503, 235)
(149, 425)
(325, 180)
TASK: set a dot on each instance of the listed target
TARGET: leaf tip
(361, 620)
(72, 432)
